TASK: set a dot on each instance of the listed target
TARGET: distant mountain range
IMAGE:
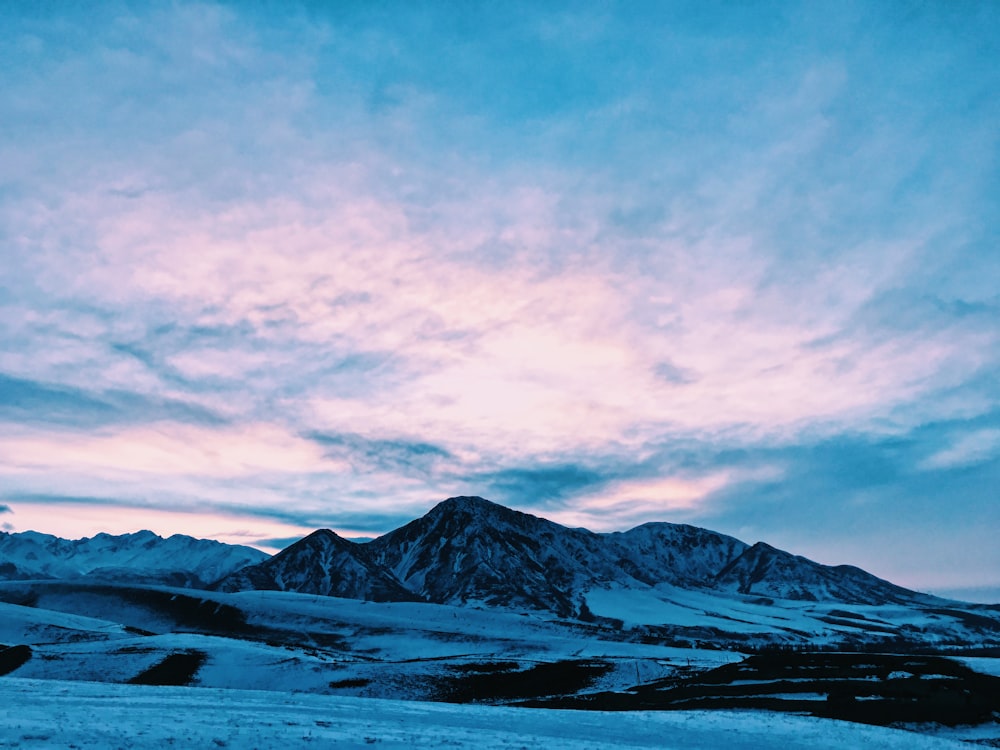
(467, 550)
(142, 557)
(464, 551)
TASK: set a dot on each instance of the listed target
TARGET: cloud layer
(325, 266)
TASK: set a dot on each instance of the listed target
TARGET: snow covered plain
(82, 715)
(301, 642)
(278, 669)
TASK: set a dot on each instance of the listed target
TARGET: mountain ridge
(321, 563)
(468, 550)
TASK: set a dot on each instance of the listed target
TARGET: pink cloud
(630, 502)
(522, 359)
(166, 449)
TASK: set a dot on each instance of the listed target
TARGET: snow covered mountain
(322, 563)
(676, 553)
(467, 550)
(140, 557)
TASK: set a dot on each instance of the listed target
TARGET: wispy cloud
(541, 487)
(175, 449)
(28, 401)
(402, 456)
(968, 449)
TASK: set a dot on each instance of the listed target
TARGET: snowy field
(399, 650)
(279, 669)
(82, 715)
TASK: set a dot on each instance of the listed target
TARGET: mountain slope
(674, 553)
(766, 571)
(139, 557)
(322, 563)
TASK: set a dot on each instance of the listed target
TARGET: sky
(267, 267)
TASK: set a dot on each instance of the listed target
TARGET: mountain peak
(472, 512)
(324, 535)
(465, 503)
(468, 549)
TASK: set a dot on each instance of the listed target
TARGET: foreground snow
(47, 713)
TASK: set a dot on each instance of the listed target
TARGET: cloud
(5, 509)
(28, 401)
(276, 544)
(869, 500)
(77, 519)
(399, 455)
(425, 331)
(673, 374)
(165, 450)
(967, 449)
(129, 512)
(333, 266)
(52, 499)
(537, 486)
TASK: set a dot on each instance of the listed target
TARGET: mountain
(322, 563)
(467, 550)
(766, 571)
(140, 557)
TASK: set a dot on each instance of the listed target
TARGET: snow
(316, 644)
(126, 556)
(820, 622)
(26, 625)
(343, 668)
(88, 716)
(686, 608)
(983, 664)
(388, 650)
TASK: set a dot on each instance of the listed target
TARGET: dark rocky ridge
(322, 563)
(764, 570)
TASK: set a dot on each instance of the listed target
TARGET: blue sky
(274, 266)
